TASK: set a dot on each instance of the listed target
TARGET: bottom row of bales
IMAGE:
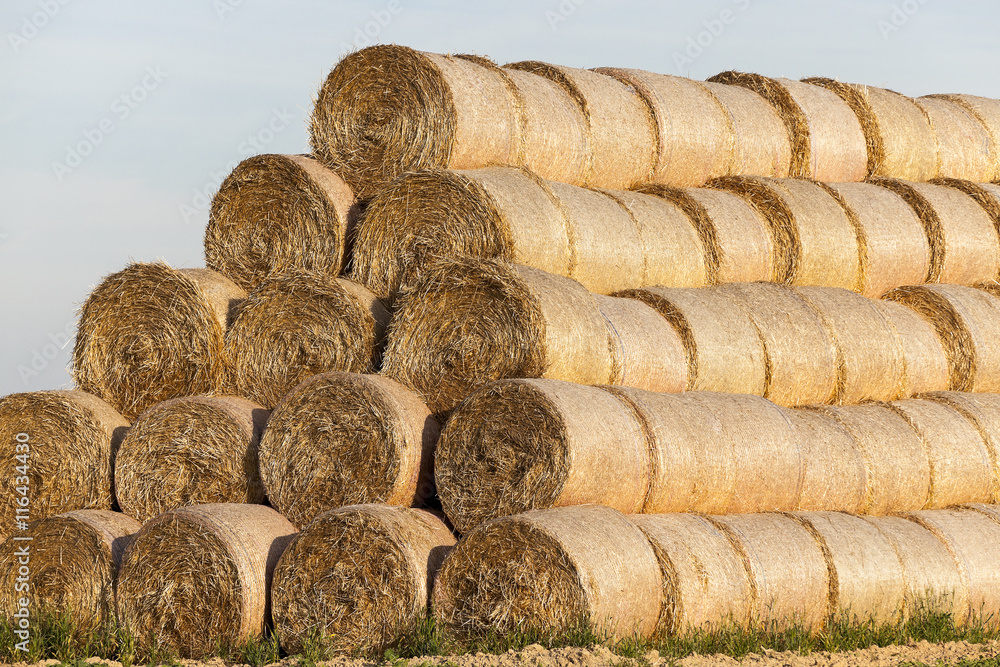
(200, 577)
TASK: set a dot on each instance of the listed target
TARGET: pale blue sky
(170, 93)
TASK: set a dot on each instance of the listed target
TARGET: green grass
(54, 636)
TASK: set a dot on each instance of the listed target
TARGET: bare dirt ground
(923, 652)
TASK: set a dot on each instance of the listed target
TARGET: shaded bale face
(340, 439)
(358, 576)
(65, 441)
(73, 561)
(275, 211)
(149, 333)
(298, 324)
(190, 451)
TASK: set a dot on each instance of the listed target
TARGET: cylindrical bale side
(672, 251)
(65, 443)
(343, 439)
(468, 323)
(359, 576)
(297, 324)
(149, 333)
(961, 468)
(782, 596)
(801, 353)
(189, 451)
(693, 130)
(964, 145)
(827, 142)
(211, 566)
(388, 109)
(276, 211)
(900, 139)
(965, 319)
(835, 475)
(987, 111)
(927, 366)
(723, 348)
(760, 145)
(892, 244)
(896, 462)
(983, 412)
(621, 130)
(705, 581)
(973, 538)
(867, 580)
(650, 349)
(552, 570)
(72, 561)
(933, 583)
(870, 359)
(534, 444)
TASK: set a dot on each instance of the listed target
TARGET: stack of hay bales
(645, 340)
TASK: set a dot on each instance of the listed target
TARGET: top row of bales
(388, 109)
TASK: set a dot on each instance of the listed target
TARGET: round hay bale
(551, 570)
(801, 353)
(965, 148)
(986, 195)
(870, 359)
(705, 582)
(965, 248)
(930, 574)
(149, 333)
(986, 111)
(898, 475)
(866, 577)
(965, 319)
(64, 443)
(900, 139)
(552, 128)
(359, 575)
(189, 451)
(534, 444)
(621, 128)
(673, 252)
(72, 561)
(211, 566)
(650, 349)
(470, 322)
(835, 473)
(926, 361)
(693, 130)
(723, 348)
(892, 245)
(344, 439)
(760, 145)
(983, 412)
(782, 596)
(960, 464)
(298, 324)
(275, 211)
(496, 212)
(735, 239)
(827, 142)
(973, 538)
(388, 109)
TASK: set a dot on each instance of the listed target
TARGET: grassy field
(56, 637)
